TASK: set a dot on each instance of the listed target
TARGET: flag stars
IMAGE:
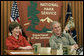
(14, 11)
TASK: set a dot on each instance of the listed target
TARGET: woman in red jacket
(16, 40)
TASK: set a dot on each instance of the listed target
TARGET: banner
(36, 17)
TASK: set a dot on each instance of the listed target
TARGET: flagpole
(70, 6)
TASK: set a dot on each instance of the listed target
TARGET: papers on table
(21, 52)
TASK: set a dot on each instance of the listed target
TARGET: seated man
(59, 37)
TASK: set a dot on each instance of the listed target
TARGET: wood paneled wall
(77, 13)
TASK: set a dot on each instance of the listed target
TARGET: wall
(77, 13)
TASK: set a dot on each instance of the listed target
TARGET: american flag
(15, 17)
(15, 13)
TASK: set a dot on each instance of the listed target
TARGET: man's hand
(75, 46)
(66, 28)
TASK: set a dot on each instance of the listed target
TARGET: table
(43, 51)
(8, 52)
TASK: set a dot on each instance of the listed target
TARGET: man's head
(56, 27)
